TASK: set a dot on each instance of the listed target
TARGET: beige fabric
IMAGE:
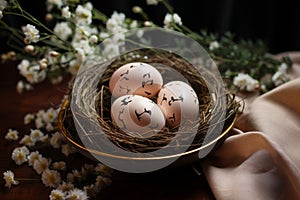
(261, 160)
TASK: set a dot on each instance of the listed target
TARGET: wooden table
(181, 183)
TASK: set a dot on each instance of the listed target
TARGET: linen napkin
(261, 159)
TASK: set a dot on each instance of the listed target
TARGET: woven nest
(207, 104)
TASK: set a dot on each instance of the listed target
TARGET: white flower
(21, 86)
(245, 82)
(65, 186)
(62, 30)
(56, 140)
(59, 165)
(76, 194)
(171, 18)
(83, 15)
(39, 123)
(31, 33)
(28, 141)
(23, 66)
(28, 118)
(12, 134)
(2, 5)
(74, 67)
(104, 170)
(49, 115)
(8, 176)
(33, 156)
(51, 3)
(152, 2)
(51, 178)
(281, 75)
(57, 194)
(40, 164)
(93, 39)
(66, 149)
(1, 14)
(19, 155)
(214, 45)
(36, 134)
(65, 12)
(116, 22)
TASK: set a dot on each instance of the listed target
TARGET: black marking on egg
(145, 82)
(123, 88)
(163, 99)
(147, 74)
(173, 118)
(121, 119)
(139, 115)
(180, 98)
(125, 101)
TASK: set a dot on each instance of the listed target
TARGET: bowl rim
(64, 131)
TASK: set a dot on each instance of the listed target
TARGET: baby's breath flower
(36, 134)
(51, 178)
(1, 14)
(65, 12)
(3, 4)
(29, 117)
(62, 30)
(56, 140)
(245, 82)
(19, 155)
(65, 186)
(67, 149)
(28, 141)
(8, 176)
(50, 115)
(41, 164)
(76, 194)
(93, 39)
(281, 75)
(83, 15)
(39, 123)
(59, 165)
(171, 18)
(214, 45)
(104, 170)
(12, 134)
(57, 194)
(31, 33)
(33, 156)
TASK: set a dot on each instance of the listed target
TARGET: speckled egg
(136, 78)
(137, 116)
(179, 103)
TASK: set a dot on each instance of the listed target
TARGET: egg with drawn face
(136, 78)
(179, 103)
(137, 116)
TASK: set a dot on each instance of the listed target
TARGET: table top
(179, 183)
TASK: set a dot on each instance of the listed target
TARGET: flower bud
(12, 55)
(136, 9)
(147, 23)
(53, 54)
(29, 48)
(48, 17)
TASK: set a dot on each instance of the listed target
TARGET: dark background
(275, 22)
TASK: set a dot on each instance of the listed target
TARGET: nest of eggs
(207, 104)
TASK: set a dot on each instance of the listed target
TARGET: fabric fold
(261, 159)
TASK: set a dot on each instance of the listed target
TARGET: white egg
(137, 116)
(179, 103)
(136, 78)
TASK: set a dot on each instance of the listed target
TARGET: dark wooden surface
(181, 183)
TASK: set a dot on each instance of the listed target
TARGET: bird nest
(166, 62)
